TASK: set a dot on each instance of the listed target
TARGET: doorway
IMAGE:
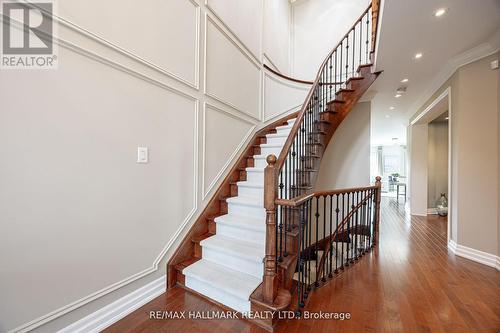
(430, 159)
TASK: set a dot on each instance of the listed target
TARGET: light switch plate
(494, 64)
(142, 154)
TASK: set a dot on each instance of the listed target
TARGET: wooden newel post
(378, 183)
(270, 285)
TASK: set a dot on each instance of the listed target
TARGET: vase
(442, 205)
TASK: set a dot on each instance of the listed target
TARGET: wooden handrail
(283, 76)
(289, 78)
(297, 201)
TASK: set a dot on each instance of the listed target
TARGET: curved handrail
(293, 132)
(289, 78)
(283, 76)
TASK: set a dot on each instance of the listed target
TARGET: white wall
(82, 223)
(437, 162)
(346, 162)
(318, 25)
(418, 174)
(276, 37)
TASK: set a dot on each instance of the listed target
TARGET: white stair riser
(247, 235)
(218, 295)
(244, 191)
(283, 130)
(276, 140)
(244, 210)
(259, 163)
(270, 150)
(251, 267)
(255, 177)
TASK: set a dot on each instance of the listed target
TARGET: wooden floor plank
(410, 283)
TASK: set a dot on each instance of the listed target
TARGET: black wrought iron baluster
(316, 215)
(347, 58)
(309, 204)
(337, 211)
(300, 262)
(367, 37)
(331, 237)
(349, 244)
(360, 22)
(353, 48)
(356, 228)
(341, 67)
(343, 230)
(324, 237)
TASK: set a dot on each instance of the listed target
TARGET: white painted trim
(445, 93)
(232, 157)
(431, 106)
(233, 40)
(452, 246)
(111, 313)
(431, 211)
(481, 257)
(95, 37)
(467, 57)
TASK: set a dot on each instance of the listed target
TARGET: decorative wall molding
(235, 42)
(154, 267)
(109, 44)
(481, 257)
(286, 83)
(243, 46)
(231, 158)
(111, 313)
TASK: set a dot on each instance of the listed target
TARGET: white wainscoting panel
(281, 96)
(224, 136)
(231, 75)
(163, 33)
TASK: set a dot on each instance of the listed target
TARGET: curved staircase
(248, 250)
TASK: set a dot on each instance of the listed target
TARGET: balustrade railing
(335, 229)
(292, 175)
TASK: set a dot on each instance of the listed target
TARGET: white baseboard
(432, 211)
(481, 257)
(452, 246)
(120, 308)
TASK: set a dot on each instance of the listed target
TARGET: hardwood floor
(410, 283)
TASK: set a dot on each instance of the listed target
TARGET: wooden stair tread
(180, 266)
(199, 238)
(336, 101)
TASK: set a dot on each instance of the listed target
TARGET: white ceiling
(408, 27)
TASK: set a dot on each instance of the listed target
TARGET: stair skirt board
(231, 265)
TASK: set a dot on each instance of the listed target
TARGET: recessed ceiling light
(392, 108)
(418, 55)
(404, 80)
(440, 12)
(397, 95)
